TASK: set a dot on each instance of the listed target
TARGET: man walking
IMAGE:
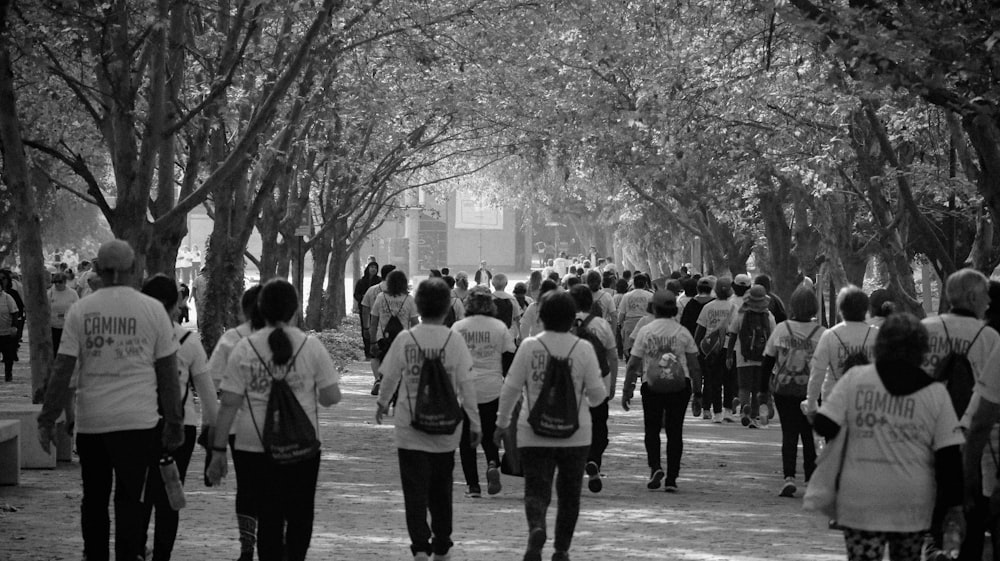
(124, 343)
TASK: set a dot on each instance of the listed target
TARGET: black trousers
(666, 411)
(598, 433)
(167, 519)
(285, 496)
(121, 458)
(427, 479)
(488, 420)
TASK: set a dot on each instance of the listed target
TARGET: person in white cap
(124, 343)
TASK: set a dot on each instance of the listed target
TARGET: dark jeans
(246, 501)
(795, 426)
(285, 495)
(167, 518)
(749, 379)
(539, 470)
(427, 479)
(122, 457)
(977, 521)
(730, 388)
(488, 420)
(598, 433)
(664, 410)
(714, 369)
(366, 338)
(56, 338)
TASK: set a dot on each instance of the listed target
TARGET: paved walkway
(727, 507)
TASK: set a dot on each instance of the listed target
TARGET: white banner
(471, 215)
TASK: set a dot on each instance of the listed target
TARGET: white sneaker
(717, 418)
(729, 417)
(764, 417)
(421, 556)
(788, 489)
(706, 414)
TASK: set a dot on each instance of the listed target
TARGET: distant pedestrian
(368, 279)
(61, 299)
(393, 311)
(543, 456)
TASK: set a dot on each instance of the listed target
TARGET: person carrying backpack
(367, 302)
(553, 432)
(508, 309)
(427, 459)
(492, 350)
(632, 308)
(845, 345)
(749, 331)
(666, 357)
(277, 373)
(393, 311)
(786, 374)
(598, 332)
(710, 336)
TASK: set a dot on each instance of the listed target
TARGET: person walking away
(10, 314)
(426, 461)
(902, 452)
(284, 485)
(124, 344)
(194, 378)
(633, 307)
(880, 305)
(530, 324)
(492, 349)
(666, 357)
(368, 279)
(535, 286)
(786, 374)
(749, 331)
(183, 295)
(845, 345)
(541, 455)
(61, 299)
(392, 311)
(741, 285)
(775, 305)
(366, 310)
(461, 290)
(589, 325)
(199, 289)
(508, 310)
(246, 504)
(603, 299)
(710, 334)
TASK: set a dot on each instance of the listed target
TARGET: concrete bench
(32, 455)
(10, 452)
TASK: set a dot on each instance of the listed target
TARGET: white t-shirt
(962, 330)
(663, 335)
(835, 345)
(515, 323)
(191, 363)
(609, 310)
(716, 314)
(117, 334)
(220, 359)
(530, 325)
(527, 374)
(59, 303)
(487, 339)
(887, 481)
(602, 329)
(793, 334)
(386, 306)
(634, 306)
(8, 310)
(401, 369)
(310, 371)
(734, 329)
(561, 266)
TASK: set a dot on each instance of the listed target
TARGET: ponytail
(281, 346)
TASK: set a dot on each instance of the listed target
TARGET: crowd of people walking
(906, 407)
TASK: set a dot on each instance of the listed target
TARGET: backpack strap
(422, 358)
(974, 338)
(551, 356)
(263, 363)
(586, 321)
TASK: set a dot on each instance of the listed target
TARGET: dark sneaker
(376, 386)
(594, 482)
(655, 479)
(696, 407)
(671, 486)
(493, 485)
(536, 541)
(745, 416)
(474, 492)
(560, 556)
(788, 489)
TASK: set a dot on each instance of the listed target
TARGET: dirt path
(727, 507)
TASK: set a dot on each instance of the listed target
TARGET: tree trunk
(783, 267)
(335, 309)
(320, 257)
(29, 228)
(161, 255)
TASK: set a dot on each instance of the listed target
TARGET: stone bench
(32, 455)
(10, 452)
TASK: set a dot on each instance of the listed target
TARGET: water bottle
(951, 541)
(172, 482)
